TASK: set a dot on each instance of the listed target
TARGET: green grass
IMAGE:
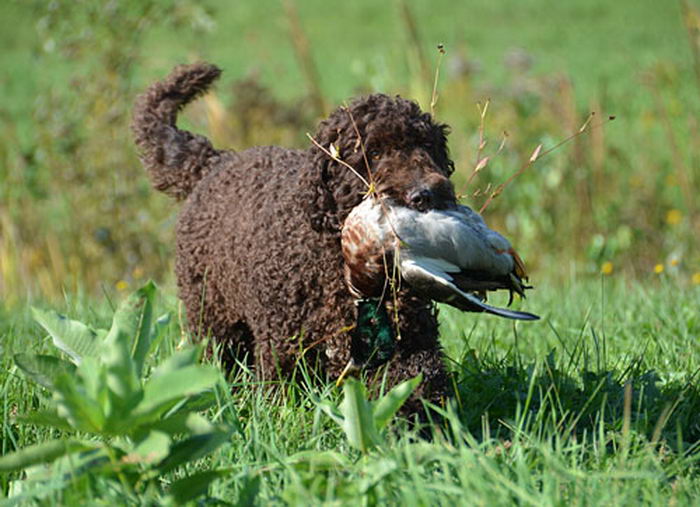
(544, 416)
(596, 404)
(599, 43)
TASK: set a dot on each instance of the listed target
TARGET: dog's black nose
(421, 199)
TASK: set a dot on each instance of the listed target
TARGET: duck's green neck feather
(373, 340)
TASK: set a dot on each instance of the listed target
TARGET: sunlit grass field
(595, 404)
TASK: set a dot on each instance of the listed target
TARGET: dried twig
(302, 49)
(538, 154)
(335, 157)
(434, 96)
(482, 161)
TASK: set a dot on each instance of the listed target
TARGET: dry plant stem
(342, 330)
(302, 49)
(342, 162)
(538, 154)
(414, 38)
(692, 24)
(370, 185)
(362, 146)
(484, 162)
(482, 128)
(481, 162)
(682, 169)
(434, 97)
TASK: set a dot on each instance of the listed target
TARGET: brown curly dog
(259, 262)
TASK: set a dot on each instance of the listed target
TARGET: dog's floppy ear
(320, 207)
(333, 188)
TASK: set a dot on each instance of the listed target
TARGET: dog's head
(393, 145)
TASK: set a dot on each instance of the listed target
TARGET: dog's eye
(374, 154)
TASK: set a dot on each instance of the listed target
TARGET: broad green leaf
(197, 424)
(173, 425)
(158, 331)
(386, 407)
(81, 411)
(40, 453)
(48, 418)
(94, 380)
(181, 359)
(43, 369)
(121, 374)
(162, 391)
(154, 448)
(358, 423)
(189, 488)
(198, 402)
(71, 336)
(126, 344)
(93, 460)
(181, 423)
(143, 332)
(123, 396)
(194, 447)
(28, 492)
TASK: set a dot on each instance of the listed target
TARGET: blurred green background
(77, 212)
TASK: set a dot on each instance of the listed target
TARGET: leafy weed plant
(132, 426)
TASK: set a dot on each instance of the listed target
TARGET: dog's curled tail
(176, 160)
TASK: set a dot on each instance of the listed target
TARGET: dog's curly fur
(259, 262)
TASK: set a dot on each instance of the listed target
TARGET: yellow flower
(607, 268)
(696, 278)
(122, 285)
(675, 262)
(674, 217)
(658, 269)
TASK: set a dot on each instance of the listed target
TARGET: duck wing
(480, 258)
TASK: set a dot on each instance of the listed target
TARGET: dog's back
(243, 254)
